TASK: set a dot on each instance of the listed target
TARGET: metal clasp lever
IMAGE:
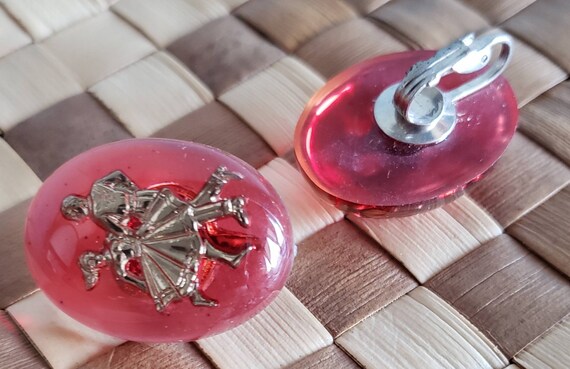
(416, 111)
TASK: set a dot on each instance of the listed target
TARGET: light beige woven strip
(12, 36)
(152, 93)
(429, 242)
(272, 101)
(32, 79)
(307, 210)
(17, 181)
(280, 335)
(165, 21)
(420, 330)
(118, 45)
(53, 333)
(43, 18)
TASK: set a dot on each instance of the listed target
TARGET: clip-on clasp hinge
(416, 111)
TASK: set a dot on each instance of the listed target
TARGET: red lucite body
(54, 244)
(341, 149)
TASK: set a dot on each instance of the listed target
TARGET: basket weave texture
(480, 283)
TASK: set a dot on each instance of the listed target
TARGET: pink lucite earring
(404, 133)
(158, 240)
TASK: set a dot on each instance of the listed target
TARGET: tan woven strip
(550, 350)
(342, 276)
(144, 355)
(506, 291)
(545, 230)
(545, 120)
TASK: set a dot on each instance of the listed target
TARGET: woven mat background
(480, 283)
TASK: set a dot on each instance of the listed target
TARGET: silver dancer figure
(157, 232)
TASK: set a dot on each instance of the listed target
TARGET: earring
(158, 240)
(404, 133)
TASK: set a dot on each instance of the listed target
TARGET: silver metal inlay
(153, 240)
(416, 111)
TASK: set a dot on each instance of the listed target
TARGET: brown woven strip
(506, 291)
(366, 6)
(531, 73)
(523, 178)
(442, 21)
(545, 120)
(216, 125)
(15, 350)
(224, 52)
(545, 230)
(291, 23)
(331, 357)
(139, 355)
(548, 351)
(64, 130)
(541, 25)
(498, 11)
(347, 44)
(340, 297)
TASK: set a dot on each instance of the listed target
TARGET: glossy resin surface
(342, 150)
(55, 244)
